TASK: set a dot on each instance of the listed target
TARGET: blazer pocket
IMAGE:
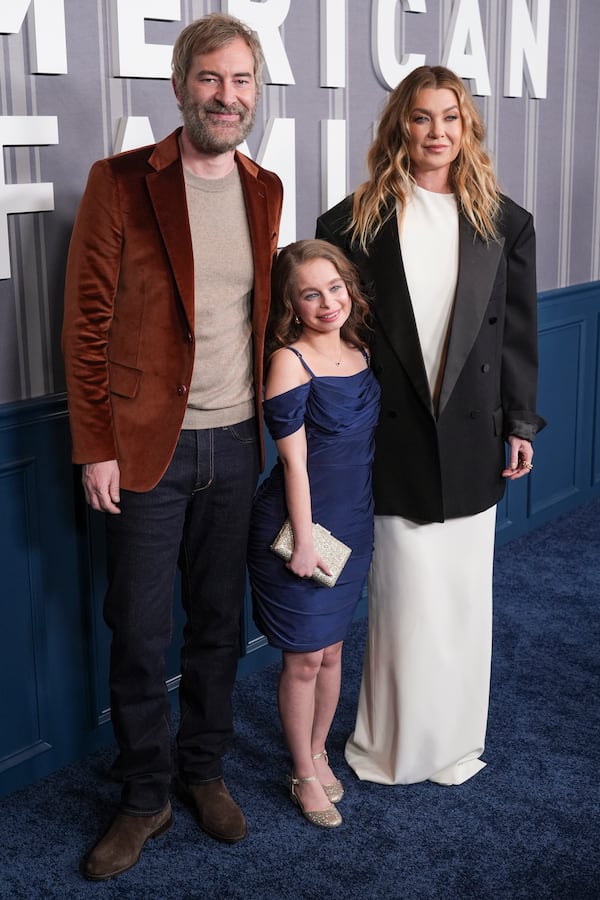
(498, 417)
(123, 380)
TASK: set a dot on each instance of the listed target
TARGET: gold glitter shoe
(335, 790)
(324, 818)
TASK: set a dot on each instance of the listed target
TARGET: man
(167, 295)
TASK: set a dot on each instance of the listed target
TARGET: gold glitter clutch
(334, 552)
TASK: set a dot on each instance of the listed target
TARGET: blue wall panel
(558, 462)
(43, 659)
(54, 706)
(566, 464)
(596, 408)
(22, 648)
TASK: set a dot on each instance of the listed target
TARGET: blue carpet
(527, 826)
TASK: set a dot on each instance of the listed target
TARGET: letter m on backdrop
(47, 39)
(47, 33)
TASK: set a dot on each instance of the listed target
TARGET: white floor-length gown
(423, 704)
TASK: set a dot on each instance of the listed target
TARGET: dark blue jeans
(198, 517)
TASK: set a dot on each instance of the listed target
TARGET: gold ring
(526, 465)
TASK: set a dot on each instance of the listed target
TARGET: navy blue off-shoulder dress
(339, 414)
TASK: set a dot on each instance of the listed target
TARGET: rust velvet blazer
(435, 464)
(128, 333)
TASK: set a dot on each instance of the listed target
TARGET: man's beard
(210, 137)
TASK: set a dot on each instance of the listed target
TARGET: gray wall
(546, 148)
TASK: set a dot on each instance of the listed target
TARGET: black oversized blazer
(433, 465)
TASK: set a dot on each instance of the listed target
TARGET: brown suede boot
(218, 813)
(122, 844)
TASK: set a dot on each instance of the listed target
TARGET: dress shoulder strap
(302, 360)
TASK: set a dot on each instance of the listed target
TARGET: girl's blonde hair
(282, 329)
(471, 175)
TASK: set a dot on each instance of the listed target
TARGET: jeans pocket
(245, 432)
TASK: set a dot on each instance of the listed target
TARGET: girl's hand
(304, 562)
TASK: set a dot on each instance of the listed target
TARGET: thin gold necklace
(334, 361)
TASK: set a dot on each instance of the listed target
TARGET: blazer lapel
(255, 197)
(393, 307)
(166, 188)
(477, 268)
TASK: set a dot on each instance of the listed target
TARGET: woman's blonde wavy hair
(282, 328)
(471, 176)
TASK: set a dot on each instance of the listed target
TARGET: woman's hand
(521, 456)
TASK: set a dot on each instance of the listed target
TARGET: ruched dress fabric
(339, 414)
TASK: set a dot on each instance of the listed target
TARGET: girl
(321, 407)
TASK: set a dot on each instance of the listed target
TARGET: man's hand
(101, 485)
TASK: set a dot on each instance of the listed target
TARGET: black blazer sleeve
(519, 345)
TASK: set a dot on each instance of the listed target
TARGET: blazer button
(182, 390)
(475, 413)
(392, 414)
(485, 368)
(492, 320)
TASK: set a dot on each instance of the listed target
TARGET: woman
(450, 265)
(321, 407)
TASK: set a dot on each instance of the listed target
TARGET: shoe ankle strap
(321, 755)
(308, 780)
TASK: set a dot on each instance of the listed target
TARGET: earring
(297, 319)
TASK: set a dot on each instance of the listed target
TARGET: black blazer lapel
(477, 269)
(393, 310)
